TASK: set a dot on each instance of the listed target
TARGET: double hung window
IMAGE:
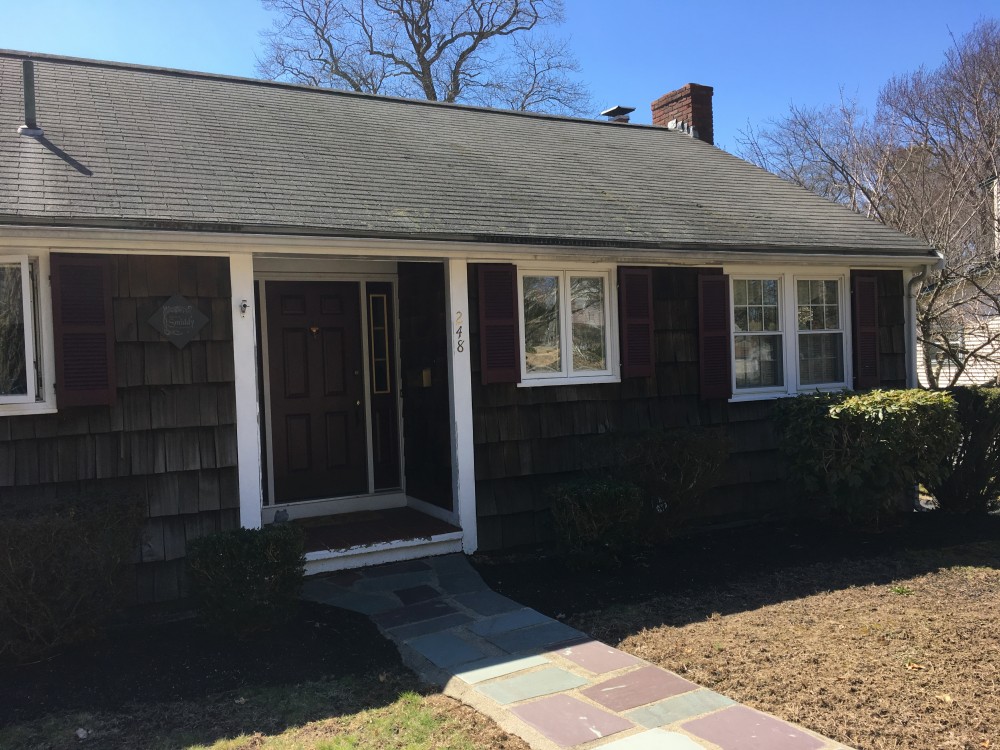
(789, 333)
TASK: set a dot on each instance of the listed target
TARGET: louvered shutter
(864, 313)
(499, 340)
(714, 357)
(635, 315)
(83, 328)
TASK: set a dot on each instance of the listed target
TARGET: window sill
(772, 395)
(539, 382)
(13, 410)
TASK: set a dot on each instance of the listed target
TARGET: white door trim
(349, 503)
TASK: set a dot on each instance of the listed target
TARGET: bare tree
(490, 52)
(924, 162)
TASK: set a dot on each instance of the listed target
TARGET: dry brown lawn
(913, 663)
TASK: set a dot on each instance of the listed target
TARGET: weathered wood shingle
(169, 440)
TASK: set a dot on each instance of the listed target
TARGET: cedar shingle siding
(528, 439)
(170, 439)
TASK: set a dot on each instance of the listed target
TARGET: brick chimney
(689, 107)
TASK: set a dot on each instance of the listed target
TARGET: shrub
(969, 480)
(62, 574)
(246, 580)
(864, 453)
(596, 520)
(674, 469)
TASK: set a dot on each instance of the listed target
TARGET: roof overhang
(246, 240)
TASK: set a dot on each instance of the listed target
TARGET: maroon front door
(317, 390)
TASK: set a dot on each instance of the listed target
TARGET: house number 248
(459, 341)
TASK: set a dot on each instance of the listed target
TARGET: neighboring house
(962, 346)
(242, 300)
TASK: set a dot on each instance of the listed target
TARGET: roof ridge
(263, 82)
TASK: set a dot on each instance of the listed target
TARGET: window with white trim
(566, 324)
(20, 360)
(789, 333)
(820, 332)
(758, 337)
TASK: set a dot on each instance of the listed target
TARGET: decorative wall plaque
(179, 320)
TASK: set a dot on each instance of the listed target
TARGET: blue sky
(759, 56)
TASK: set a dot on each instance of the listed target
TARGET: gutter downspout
(912, 374)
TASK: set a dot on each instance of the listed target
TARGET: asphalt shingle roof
(145, 147)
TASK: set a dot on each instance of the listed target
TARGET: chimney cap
(613, 113)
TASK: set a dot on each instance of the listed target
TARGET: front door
(317, 390)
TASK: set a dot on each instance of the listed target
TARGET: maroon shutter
(499, 341)
(635, 314)
(714, 358)
(864, 298)
(83, 329)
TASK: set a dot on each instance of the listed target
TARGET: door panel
(317, 390)
(334, 375)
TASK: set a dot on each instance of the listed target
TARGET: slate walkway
(539, 678)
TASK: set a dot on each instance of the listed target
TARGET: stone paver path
(539, 678)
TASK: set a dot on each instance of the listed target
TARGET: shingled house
(244, 300)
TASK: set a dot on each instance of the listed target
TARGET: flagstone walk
(537, 677)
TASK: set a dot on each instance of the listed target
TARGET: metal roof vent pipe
(30, 127)
(618, 113)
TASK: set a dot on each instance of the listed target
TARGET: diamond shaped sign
(178, 320)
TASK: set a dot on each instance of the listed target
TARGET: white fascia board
(211, 243)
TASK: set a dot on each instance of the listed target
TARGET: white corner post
(910, 312)
(245, 369)
(463, 466)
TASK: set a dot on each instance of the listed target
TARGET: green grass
(384, 713)
(408, 723)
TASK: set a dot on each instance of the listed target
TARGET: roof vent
(618, 113)
(30, 127)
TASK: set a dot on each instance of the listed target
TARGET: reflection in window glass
(757, 343)
(758, 362)
(587, 300)
(541, 324)
(755, 304)
(13, 359)
(821, 342)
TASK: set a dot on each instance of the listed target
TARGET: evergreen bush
(863, 454)
(247, 580)
(597, 520)
(969, 477)
(64, 572)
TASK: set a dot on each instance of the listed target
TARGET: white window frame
(38, 337)
(568, 376)
(788, 325)
(843, 301)
(782, 332)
